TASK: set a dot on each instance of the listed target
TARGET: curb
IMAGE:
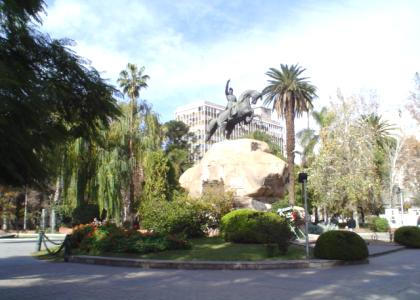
(7, 236)
(387, 251)
(35, 235)
(211, 265)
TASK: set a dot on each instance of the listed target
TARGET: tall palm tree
(309, 138)
(291, 95)
(132, 80)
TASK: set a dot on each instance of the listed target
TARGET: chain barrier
(43, 238)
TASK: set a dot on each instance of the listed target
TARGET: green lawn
(206, 249)
(217, 249)
(44, 255)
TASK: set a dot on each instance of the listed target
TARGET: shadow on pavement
(393, 276)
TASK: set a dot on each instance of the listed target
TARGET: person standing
(351, 224)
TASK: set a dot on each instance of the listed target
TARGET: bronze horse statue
(244, 113)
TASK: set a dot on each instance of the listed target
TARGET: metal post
(306, 219)
(39, 242)
(303, 177)
(41, 231)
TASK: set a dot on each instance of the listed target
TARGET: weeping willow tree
(114, 169)
(77, 175)
(109, 171)
(101, 171)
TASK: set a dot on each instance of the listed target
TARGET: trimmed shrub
(377, 224)
(249, 226)
(408, 236)
(344, 245)
(174, 218)
(112, 239)
(186, 216)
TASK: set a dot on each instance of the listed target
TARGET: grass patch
(216, 249)
(44, 255)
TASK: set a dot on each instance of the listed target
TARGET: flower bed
(108, 238)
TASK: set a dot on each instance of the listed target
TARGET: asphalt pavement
(392, 276)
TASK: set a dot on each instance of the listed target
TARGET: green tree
(156, 177)
(177, 135)
(381, 130)
(132, 80)
(343, 175)
(177, 146)
(48, 96)
(383, 143)
(309, 138)
(291, 95)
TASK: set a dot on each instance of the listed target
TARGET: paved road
(392, 276)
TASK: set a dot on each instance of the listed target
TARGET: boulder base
(245, 167)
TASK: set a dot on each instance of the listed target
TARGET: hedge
(408, 236)
(249, 226)
(343, 245)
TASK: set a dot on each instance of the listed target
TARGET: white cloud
(354, 47)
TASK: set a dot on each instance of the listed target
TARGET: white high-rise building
(198, 115)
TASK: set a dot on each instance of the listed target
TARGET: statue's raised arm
(227, 88)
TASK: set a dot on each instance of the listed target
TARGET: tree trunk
(326, 221)
(25, 212)
(4, 227)
(362, 215)
(131, 192)
(356, 217)
(290, 147)
(55, 201)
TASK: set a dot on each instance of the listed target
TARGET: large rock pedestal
(244, 167)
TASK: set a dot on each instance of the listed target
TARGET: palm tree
(132, 80)
(309, 138)
(384, 144)
(381, 129)
(291, 95)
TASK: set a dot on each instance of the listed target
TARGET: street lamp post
(303, 177)
(399, 191)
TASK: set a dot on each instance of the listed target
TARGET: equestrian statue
(236, 112)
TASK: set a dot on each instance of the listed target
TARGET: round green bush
(408, 236)
(338, 244)
(249, 226)
(378, 224)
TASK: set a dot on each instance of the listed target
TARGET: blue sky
(190, 48)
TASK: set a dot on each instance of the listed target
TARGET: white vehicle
(287, 211)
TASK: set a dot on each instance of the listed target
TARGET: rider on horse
(231, 98)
